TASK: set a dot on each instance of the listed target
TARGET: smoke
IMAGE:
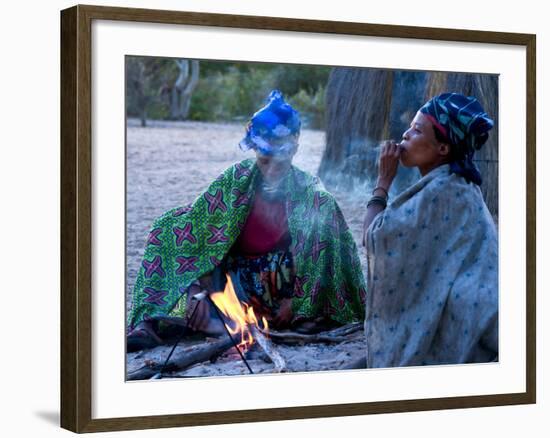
(357, 174)
(365, 107)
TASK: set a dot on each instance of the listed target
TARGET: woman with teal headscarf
(272, 227)
(433, 251)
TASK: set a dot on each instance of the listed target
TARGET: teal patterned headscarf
(463, 123)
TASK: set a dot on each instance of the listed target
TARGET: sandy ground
(300, 357)
(169, 164)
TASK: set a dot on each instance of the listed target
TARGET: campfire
(244, 331)
(242, 316)
(244, 321)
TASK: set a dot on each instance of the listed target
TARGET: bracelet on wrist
(383, 189)
(377, 200)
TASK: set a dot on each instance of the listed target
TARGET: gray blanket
(432, 276)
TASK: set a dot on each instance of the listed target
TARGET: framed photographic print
(267, 218)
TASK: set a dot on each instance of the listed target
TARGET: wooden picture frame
(76, 217)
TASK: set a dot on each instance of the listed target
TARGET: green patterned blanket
(188, 242)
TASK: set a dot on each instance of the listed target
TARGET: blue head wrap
(464, 124)
(273, 130)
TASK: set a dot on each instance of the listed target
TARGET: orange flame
(241, 314)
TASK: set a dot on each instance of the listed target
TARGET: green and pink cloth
(188, 242)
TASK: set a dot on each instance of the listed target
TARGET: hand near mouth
(387, 163)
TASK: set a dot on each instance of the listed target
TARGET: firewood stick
(340, 334)
(269, 349)
(182, 359)
(294, 338)
(345, 329)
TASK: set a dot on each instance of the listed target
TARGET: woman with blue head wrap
(274, 129)
(432, 251)
(268, 225)
(273, 132)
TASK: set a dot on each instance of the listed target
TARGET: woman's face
(273, 167)
(420, 148)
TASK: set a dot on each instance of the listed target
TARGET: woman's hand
(387, 164)
(387, 169)
(197, 312)
(284, 315)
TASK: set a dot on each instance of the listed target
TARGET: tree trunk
(352, 123)
(139, 76)
(186, 93)
(183, 65)
(183, 88)
(365, 107)
(174, 107)
(143, 117)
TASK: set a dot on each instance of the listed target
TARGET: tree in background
(173, 89)
(141, 73)
(160, 88)
(182, 90)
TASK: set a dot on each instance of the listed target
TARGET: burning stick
(269, 349)
(231, 336)
(244, 321)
